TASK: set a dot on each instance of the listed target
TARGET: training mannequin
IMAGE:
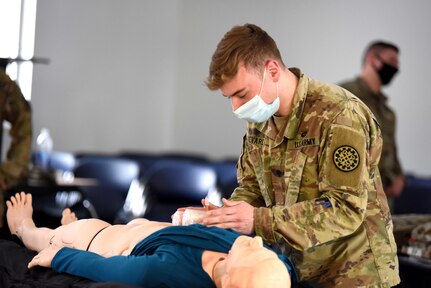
(120, 252)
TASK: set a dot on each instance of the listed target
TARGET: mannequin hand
(44, 257)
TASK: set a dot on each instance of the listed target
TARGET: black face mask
(386, 73)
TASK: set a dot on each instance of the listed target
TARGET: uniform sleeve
(350, 153)
(248, 189)
(130, 269)
(16, 110)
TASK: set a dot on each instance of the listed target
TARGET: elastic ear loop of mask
(263, 80)
(261, 87)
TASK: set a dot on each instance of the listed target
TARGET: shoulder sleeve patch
(345, 157)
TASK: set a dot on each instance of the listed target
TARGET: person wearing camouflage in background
(308, 175)
(380, 64)
(14, 109)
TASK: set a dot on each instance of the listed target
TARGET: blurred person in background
(14, 109)
(380, 65)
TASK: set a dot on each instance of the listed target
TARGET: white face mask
(256, 110)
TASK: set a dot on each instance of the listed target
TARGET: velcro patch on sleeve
(346, 157)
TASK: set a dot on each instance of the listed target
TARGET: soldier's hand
(395, 189)
(237, 215)
(205, 203)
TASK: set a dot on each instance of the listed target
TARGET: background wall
(129, 75)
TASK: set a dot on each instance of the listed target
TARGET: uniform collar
(380, 97)
(293, 119)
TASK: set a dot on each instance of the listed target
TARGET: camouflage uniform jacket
(15, 110)
(317, 190)
(389, 165)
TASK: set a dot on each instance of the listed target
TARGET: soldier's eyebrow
(236, 93)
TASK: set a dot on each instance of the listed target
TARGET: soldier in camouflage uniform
(15, 109)
(380, 64)
(309, 181)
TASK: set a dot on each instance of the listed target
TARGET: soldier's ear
(374, 60)
(273, 70)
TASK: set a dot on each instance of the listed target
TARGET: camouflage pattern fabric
(317, 190)
(389, 165)
(413, 234)
(404, 224)
(420, 241)
(14, 109)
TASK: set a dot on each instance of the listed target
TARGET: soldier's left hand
(396, 188)
(237, 215)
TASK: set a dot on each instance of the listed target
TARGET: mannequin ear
(257, 241)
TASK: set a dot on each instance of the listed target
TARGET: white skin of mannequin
(248, 263)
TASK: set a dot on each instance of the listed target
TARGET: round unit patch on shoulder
(346, 158)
